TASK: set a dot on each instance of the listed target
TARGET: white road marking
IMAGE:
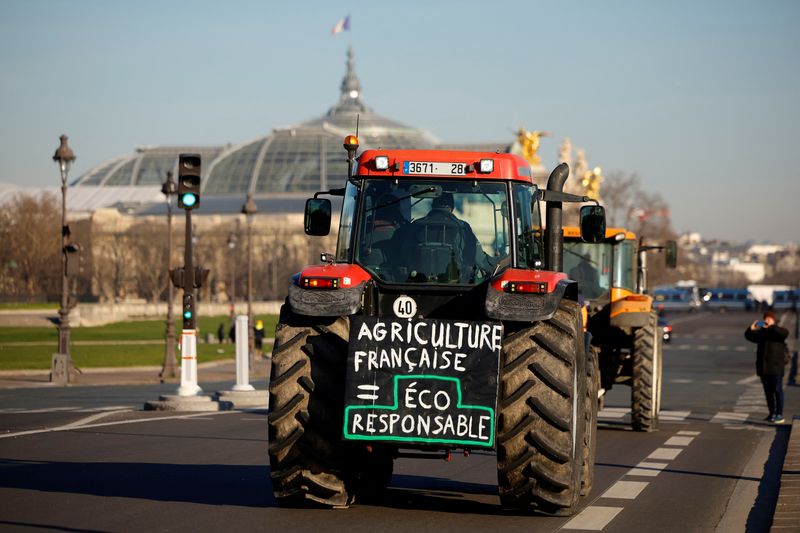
(741, 348)
(747, 380)
(625, 490)
(104, 424)
(726, 417)
(614, 412)
(690, 433)
(679, 441)
(681, 381)
(703, 347)
(50, 410)
(718, 382)
(593, 518)
(647, 469)
(665, 454)
(673, 415)
(89, 419)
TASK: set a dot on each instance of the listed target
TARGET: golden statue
(591, 182)
(529, 144)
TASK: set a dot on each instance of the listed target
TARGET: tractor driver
(442, 247)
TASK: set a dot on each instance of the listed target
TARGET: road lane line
(718, 382)
(673, 415)
(104, 424)
(681, 381)
(89, 419)
(747, 380)
(593, 518)
(679, 441)
(689, 433)
(727, 417)
(647, 469)
(625, 490)
(50, 410)
(667, 454)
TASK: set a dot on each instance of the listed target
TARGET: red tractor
(442, 323)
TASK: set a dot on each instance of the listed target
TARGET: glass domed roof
(309, 156)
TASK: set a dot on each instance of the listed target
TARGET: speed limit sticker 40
(404, 307)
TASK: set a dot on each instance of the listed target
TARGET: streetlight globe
(64, 156)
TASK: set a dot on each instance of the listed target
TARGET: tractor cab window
(590, 265)
(624, 266)
(432, 231)
(346, 224)
(528, 226)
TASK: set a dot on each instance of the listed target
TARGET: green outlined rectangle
(416, 439)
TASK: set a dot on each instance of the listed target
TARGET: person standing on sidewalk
(770, 361)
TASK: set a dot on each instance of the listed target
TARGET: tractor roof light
(486, 166)
(351, 142)
(381, 162)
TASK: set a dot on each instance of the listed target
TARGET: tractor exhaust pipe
(554, 235)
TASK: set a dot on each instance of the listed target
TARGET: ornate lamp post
(233, 240)
(249, 209)
(64, 157)
(168, 370)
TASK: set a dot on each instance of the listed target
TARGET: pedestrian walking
(770, 360)
(258, 337)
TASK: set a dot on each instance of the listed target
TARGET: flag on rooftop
(342, 25)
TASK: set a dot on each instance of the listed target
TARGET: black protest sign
(422, 381)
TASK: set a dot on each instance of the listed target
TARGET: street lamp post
(249, 209)
(168, 370)
(64, 156)
(233, 239)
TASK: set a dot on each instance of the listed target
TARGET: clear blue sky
(701, 99)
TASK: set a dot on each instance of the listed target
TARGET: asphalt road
(88, 459)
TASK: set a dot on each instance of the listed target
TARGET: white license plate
(438, 169)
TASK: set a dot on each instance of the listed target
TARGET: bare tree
(30, 257)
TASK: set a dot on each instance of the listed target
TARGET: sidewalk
(143, 375)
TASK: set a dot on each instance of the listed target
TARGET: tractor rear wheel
(541, 404)
(309, 465)
(646, 378)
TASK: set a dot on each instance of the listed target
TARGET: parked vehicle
(666, 329)
(724, 300)
(786, 299)
(677, 299)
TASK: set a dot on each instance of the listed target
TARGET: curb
(787, 510)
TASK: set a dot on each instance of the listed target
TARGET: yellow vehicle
(611, 276)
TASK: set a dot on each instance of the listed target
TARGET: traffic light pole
(189, 386)
(168, 368)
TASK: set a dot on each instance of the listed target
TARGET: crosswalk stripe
(625, 490)
(647, 469)
(593, 518)
(679, 441)
(667, 454)
(726, 417)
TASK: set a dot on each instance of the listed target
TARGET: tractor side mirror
(317, 219)
(593, 223)
(671, 254)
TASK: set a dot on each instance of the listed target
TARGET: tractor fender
(501, 305)
(316, 302)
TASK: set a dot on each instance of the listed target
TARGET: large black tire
(541, 415)
(646, 376)
(590, 414)
(309, 464)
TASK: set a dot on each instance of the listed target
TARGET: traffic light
(188, 311)
(188, 181)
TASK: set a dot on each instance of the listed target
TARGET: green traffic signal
(189, 199)
(187, 315)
